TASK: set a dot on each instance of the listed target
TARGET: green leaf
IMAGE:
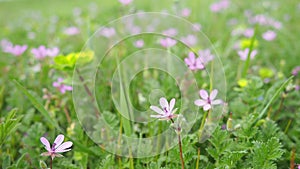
(9, 125)
(278, 91)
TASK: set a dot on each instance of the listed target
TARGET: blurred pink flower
(52, 52)
(220, 6)
(72, 30)
(125, 2)
(40, 52)
(57, 147)
(185, 12)
(262, 19)
(107, 32)
(17, 50)
(168, 42)
(244, 54)
(139, 43)
(6, 45)
(207, 101)
(170, 32)
(197, 26)
(269, 35)
(193, 63)
(61, 87)
(189, 40)
(296, 70)
(205, 56)
(166, 111)
(249, 32)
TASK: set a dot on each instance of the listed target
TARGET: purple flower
(193, 62)
(61, 87)
(107, 32)
(205, 56)
(52, 52)
(197, 27)
(297, 87)
(166, 111)
(244, 54)
(296, 70)
(189, 40)
(168, 42)
(185, 12)
(17, 50)
(139, 43)
(248, 32)
(6, 45)
(57, 146)
(40, 52)
(219, 6)
(125, 2)
(170, 32)
(207, 101)
(269, 35)
(72, 30)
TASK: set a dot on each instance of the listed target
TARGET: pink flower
(244, 54)
(6, 45)
(57, 146)
(189, 40)
(125, 2)
(166, 111)
(17, 50)
(185, 12)
(40, 52)
(170, 32)
(296, 70)
(107, 32)
(269, 35)
(197, 27)
(61, 87)
(205, 56)
(193, 62)
(168, 42)
(220, 6)
(139, 43)
(72, 30)
(249, 32)
(52, 52)
(207, 101)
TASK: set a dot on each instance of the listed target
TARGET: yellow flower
(242, 83)
(266, 73)
(246, 43)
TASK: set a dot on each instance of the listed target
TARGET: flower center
(53, 147)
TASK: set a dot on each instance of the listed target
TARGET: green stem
(180, 146)
(202, 123)
(198, 158)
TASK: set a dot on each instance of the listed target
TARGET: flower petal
(46, 143)
(206, 107)
(163, 103)
(203, 94)
(59, 139)
(200, 102)
(63, 147)
(156, 109)
(172, 104)
(213, 94)
(215, 102)
(156, 116)
(46, 154)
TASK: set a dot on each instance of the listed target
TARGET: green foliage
(266, 153)
(9, 125)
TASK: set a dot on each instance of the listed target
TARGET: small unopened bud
(229, 125)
